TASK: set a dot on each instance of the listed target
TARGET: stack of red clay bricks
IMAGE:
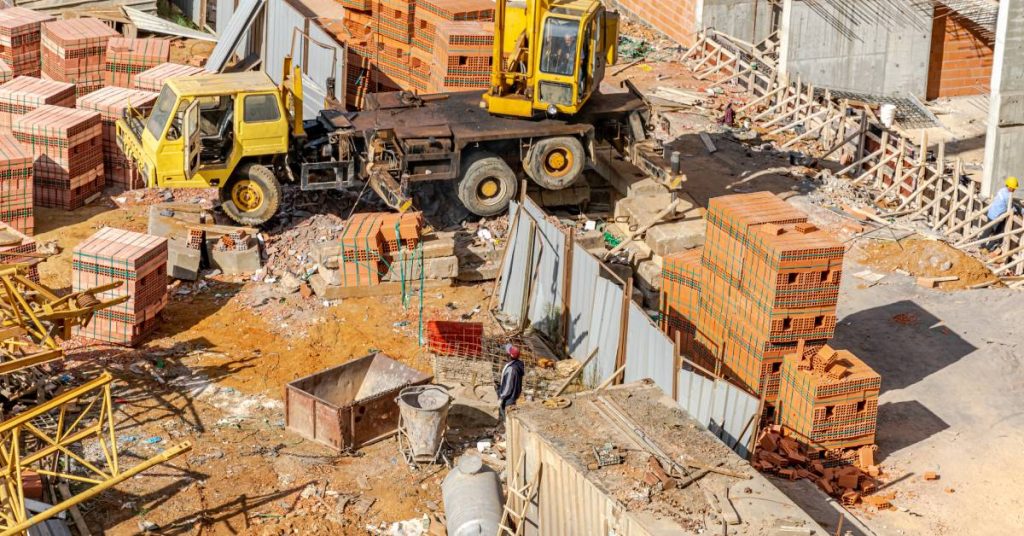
(462, 56)
(764, 287)
(361, 248)
(127, 57)
(75, 51)
(430, 16)
(68, 147)
(15, 185)
(20, 31)
(394, 44)
(111, 102)
(153, 79)
(17, 242)
(140, 261)
(829, 399)
(24, 94)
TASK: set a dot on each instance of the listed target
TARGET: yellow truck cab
(228, 131)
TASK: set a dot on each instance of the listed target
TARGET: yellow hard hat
(1011, 182)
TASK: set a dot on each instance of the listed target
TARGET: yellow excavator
(543, 117)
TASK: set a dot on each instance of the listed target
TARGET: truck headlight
(552, 110)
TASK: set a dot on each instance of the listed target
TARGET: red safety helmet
(513, 352)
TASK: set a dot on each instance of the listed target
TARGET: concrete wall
(749, 20)
(1003, 154)
(961, 58)
(676, 18)
(870, 46)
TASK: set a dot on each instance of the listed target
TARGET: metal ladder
(520, 495)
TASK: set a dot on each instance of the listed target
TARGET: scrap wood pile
(780, 454)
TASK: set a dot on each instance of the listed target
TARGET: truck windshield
(161, 112)
(559, 53)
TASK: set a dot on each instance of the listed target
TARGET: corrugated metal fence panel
(649, 353)
(594, 306)
(282, 20)
(234, 33)
(191, 9)
(225, 8)
(724, 408)
(514, 270)
(546, 299)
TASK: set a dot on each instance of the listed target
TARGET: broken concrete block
(648, 275)
(438, 245)
(575, 195)
(234, 262)
(590, 239)
(470, 253)
(408, 266)
(644, 209)
(479, 272)
(668, 238)
(182, 261)
(646, 186)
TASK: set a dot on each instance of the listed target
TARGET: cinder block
(436, 268)
(643, 209)
(234, 262)
(645, 187)
(438, 245)
(668, 238)
(590, 239)
(469, 253)
(648, 275)
(479, 272)
(183, 262)
(575, 195)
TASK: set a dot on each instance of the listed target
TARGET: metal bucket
(424, 410)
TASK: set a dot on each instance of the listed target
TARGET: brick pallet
(140, 262)
(111, 102)
(126, 58)
(829, 399)
(431, 13)
(394, 19)
(67, 145)
(15, 186)
(75, 51)
(462, 55)
(14, 241)
(153, 79)
(6, 73)
(25, 93)
(20, 36)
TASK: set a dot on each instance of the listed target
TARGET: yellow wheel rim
(247, 195)
(558, 162)
(489, 188)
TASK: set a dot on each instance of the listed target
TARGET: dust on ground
(926, 258)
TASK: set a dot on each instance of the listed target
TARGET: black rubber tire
(477, 168)
(265, 179)
(570, 147)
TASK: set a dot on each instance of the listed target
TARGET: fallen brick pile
(111, 102)
(757, 304)
(153, 79)
(20, 37)
(75, 51)
(15, 186)
(424, 46)
(13, 241)
(67, 144)
(855, 482)
(126, 58)
(140, 261)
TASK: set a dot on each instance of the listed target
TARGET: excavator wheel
(252, 195)
(555, 163)
(487, 184)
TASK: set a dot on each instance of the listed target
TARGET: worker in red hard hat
(510, 384)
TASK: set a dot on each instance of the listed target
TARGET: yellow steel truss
(29, 440)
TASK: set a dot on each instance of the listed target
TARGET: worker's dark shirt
(511, 385)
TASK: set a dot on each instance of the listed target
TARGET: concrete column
(785, 41)
(1004, 144)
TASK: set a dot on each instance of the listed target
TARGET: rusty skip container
(351, 405)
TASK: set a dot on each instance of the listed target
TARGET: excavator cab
(550, 57)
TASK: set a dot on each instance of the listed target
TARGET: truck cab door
(191, 136)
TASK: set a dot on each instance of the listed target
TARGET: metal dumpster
(351, 405)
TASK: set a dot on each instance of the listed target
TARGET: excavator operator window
(560, 40)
